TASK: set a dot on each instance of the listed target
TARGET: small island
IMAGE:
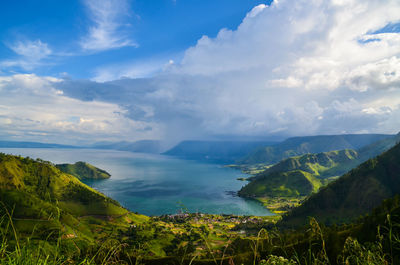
(83, 170)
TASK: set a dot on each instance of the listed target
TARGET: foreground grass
(213, 239)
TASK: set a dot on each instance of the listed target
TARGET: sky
(82, 71)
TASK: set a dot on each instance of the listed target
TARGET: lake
(155, 184)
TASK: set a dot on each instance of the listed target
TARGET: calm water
(155, 184)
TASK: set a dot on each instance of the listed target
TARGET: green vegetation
(321, 165)
(201, 239)
(50, 217)
(46, 203)
(292, 179)
(83, 170)
(282, 184)
(356, 193)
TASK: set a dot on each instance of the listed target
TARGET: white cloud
(109, 29)
(31, 107)
(35, 50)
(383, 74)
(30, 54)
(292, 54)
(137, 69)
(256, 10)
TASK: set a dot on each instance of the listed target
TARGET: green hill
(41, 196)
(282, 184)
(353, 194)
(288, 182)
(83, 170)
(326, 164)
(311, 144)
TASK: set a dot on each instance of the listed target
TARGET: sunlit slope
(299, 176)
(83, 170)
(326, 164)
(282, 184)
(36, 192)
(355, 193)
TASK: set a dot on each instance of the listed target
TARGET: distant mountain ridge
(309, 144)
(13, 144)
(215, 151)
(142, 146)
(378, 147)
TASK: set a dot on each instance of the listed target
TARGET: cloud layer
(293, 68)
(31, 108)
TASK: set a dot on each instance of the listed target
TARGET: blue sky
(108, 70)
(161, 30)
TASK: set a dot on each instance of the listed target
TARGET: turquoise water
(156, 184)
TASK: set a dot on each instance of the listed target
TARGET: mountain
(215, 151)
(143, 146)
(378, 147)
(353, 194)
(326, 164)
(310, 144)
(300, 175)
(83, 170)
(321, 165)
(11, 144)
(42, 197)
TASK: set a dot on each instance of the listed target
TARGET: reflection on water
(155, 184)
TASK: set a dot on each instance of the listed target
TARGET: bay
(156, 184)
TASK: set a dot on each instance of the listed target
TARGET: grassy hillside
(355, 193)
(288, 182)
(311, 144)
(83, 170)
(46, 218)
(326, 164)
(282, 184)
(37, 190)
(272, 190)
